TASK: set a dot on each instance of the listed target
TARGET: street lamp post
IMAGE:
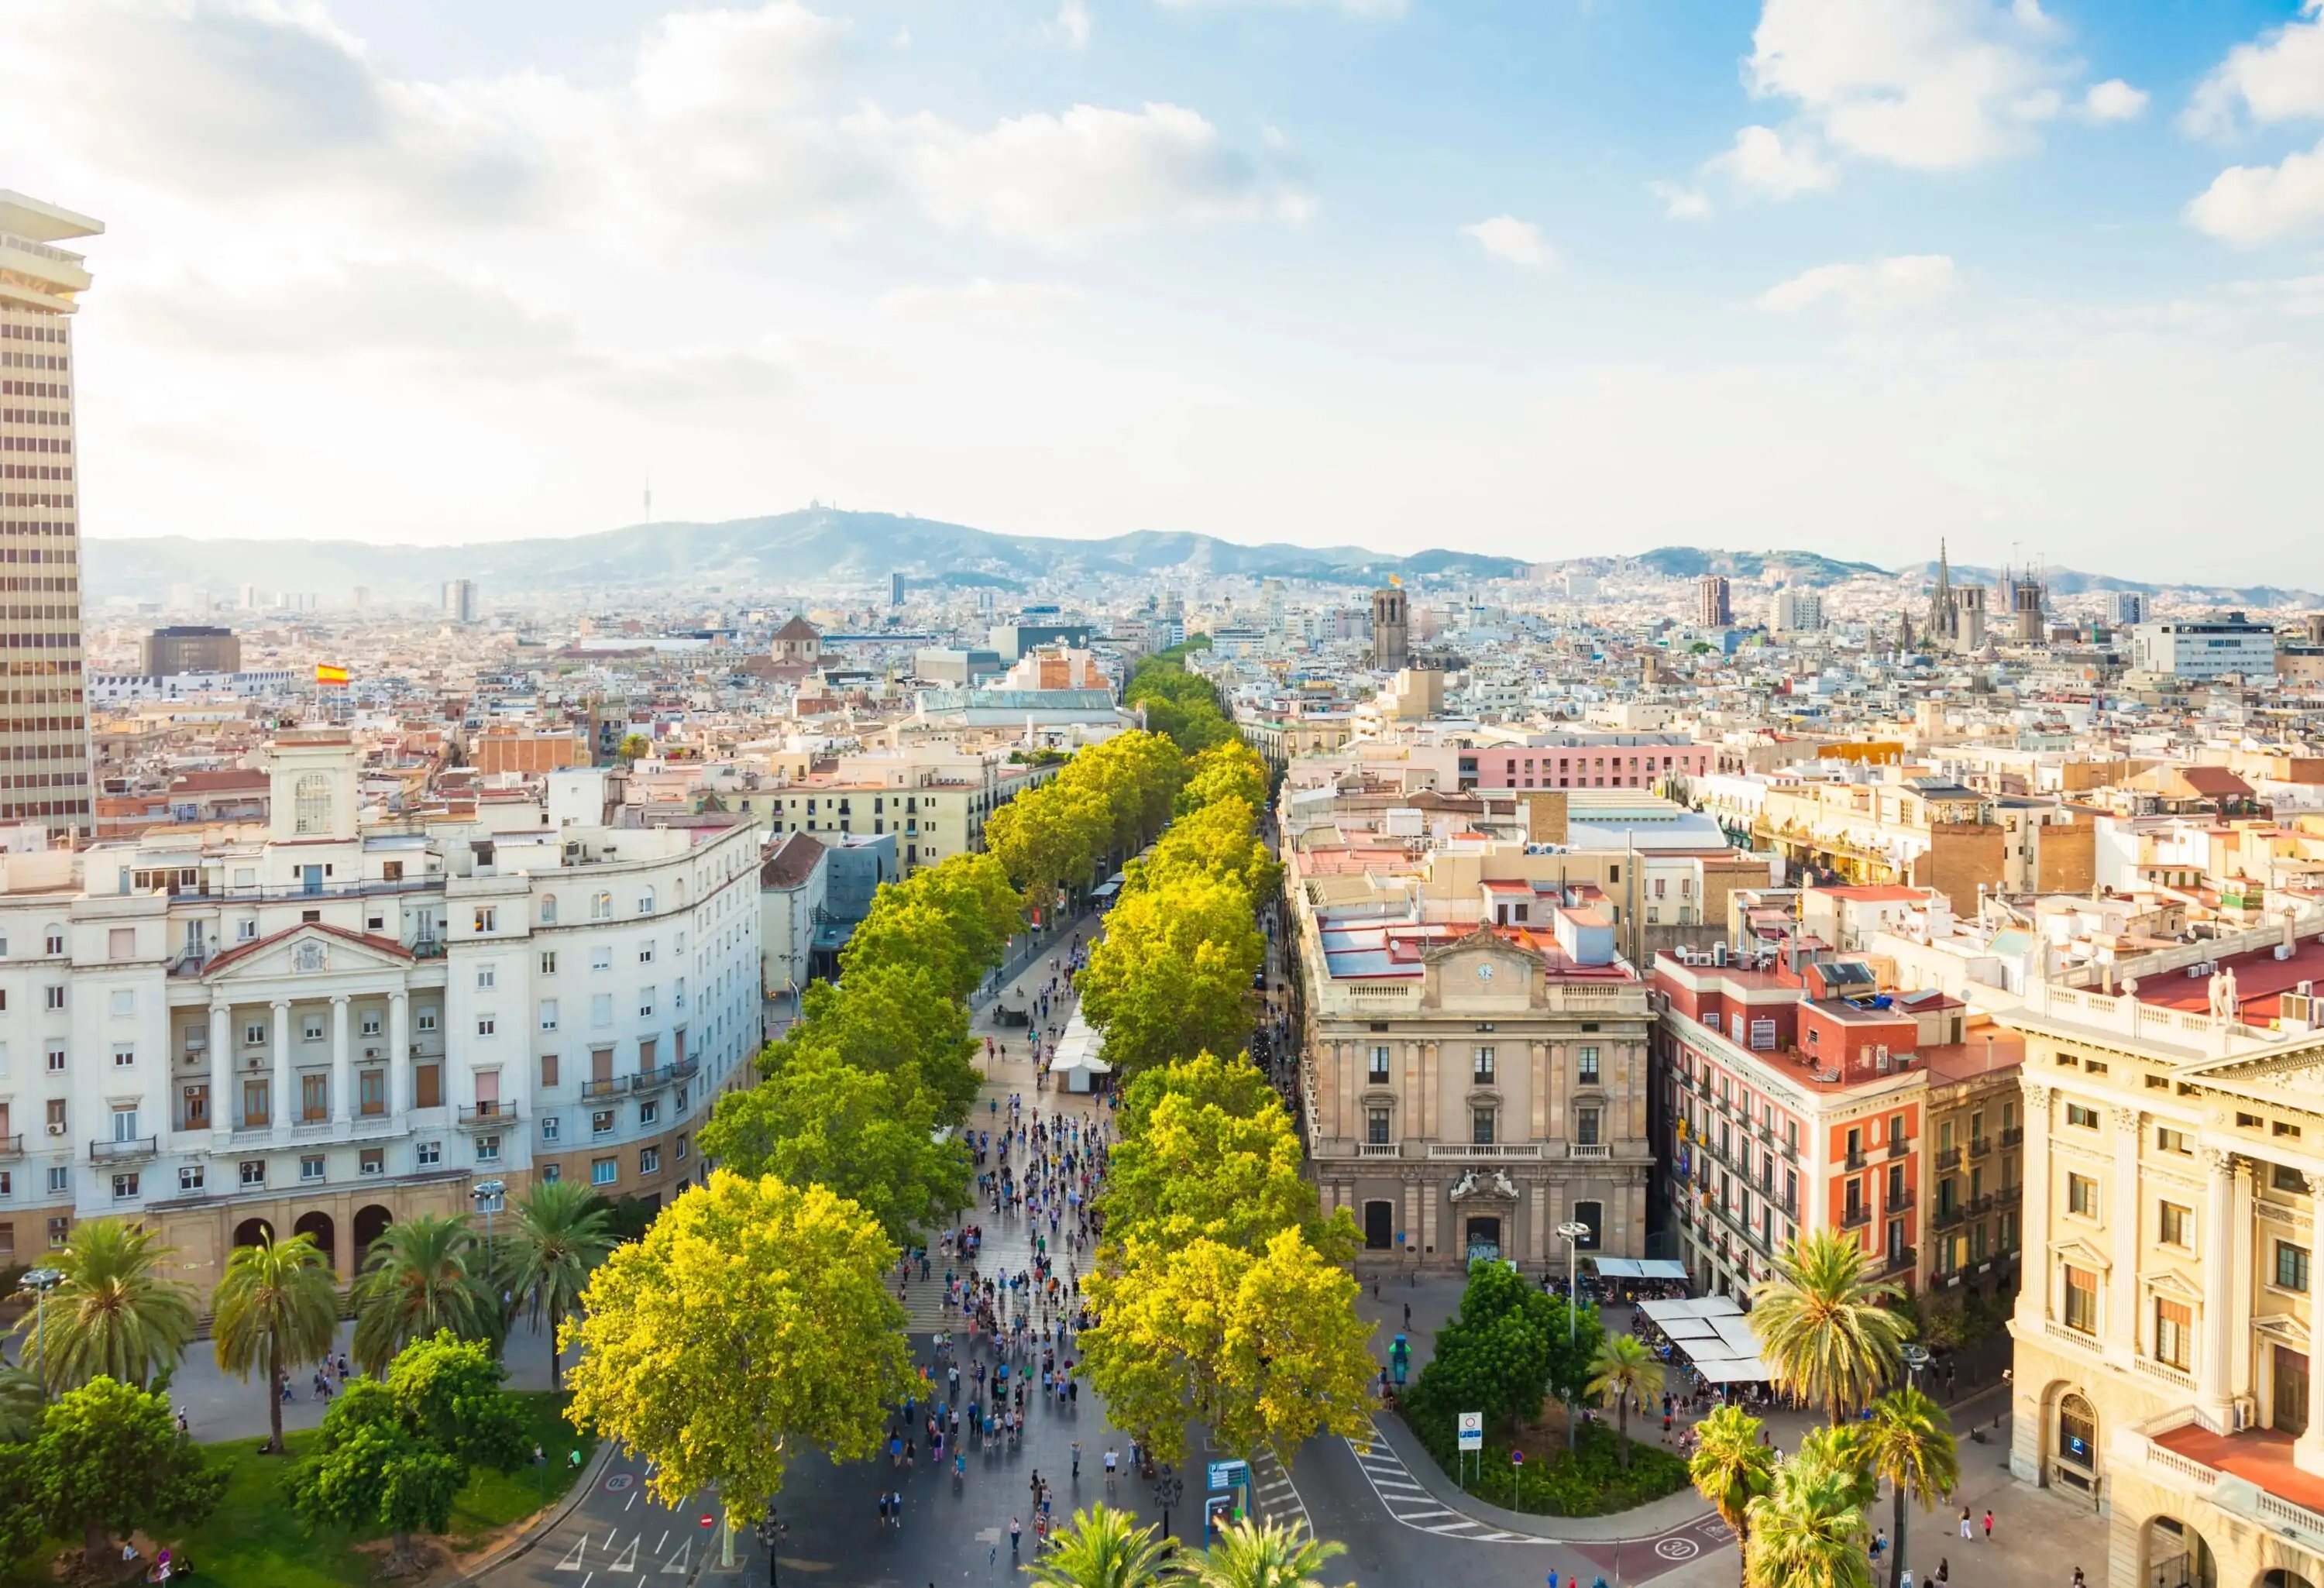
(488, 1195)
(1916, 1357)
(1168, 1490)
(1573, 1230)
(771, 1534)
(39, 1282)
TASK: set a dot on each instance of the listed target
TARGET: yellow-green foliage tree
(1213, 1156)
(1263, 1345)
(955, 919)
(1215, 840)
(1172, 977)
(752, 1322)
(1110, 798)
(1232, 770)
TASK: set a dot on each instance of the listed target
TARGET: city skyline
(1590, 279)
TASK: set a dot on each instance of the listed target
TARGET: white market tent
(1640, 1268)
(1713, 1334)
(1076, 1063)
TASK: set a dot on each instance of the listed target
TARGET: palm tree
(1909, 1441)
(419, 1278)
(1099, 1549)
(112, 1313)
(563, 1230)
(20, 1401)
(277, 1308)
(1255, 1554)
(1731, 1468)
(1821, 1325)
(1622, 1371)
(1807, 1531)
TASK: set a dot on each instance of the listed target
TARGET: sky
(1545, 278)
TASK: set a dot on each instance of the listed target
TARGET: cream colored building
(2165, 1333)
(326, 1024)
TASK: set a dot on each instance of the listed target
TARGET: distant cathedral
(1958, 614)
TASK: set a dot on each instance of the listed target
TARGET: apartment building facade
(330, 1025)
(43, 716)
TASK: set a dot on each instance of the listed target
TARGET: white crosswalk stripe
(1410, 1502)
(1277, 1496)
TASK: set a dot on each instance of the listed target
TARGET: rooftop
(2260, 979)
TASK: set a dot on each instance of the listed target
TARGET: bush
(1588, 1482)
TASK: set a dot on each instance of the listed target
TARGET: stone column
(2243, 1378)
(1538, 1079)
(1430, 1195)
(398, 1053)
(1537, 1219)
(2123, 1210)
(1430, 1078)
(1412, 1218)
(278, 1109)
(2308, 1450)
(342, 1078)
(2037, 1283)
(221, 1072)
(2214, 1366)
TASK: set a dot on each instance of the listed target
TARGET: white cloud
(2249, 205)
(2113, 101)
(1520, 242)
(981, 302)
(726, 119)
(1060, 178)
(1352, 7)
(1885, 287)
(1681, 202)
(2278, 77)
(1072, 26)
(1932, 85)
(1763, 164)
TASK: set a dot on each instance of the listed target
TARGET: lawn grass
(255, 1537)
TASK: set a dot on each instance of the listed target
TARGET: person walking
(1988, 1524)
(1016, 1531)
(1966, 1533)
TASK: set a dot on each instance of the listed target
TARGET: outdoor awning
(1745, 1370)
(1618, 1268)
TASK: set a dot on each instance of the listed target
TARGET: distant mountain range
(791, 551)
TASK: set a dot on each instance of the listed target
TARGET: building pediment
(2081, 1254)
(1481, 965)
(308, 949)
(2174, 1285)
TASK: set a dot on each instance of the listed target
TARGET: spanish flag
(327, 672)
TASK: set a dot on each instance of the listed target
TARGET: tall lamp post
(1169, 1489)
(1573, 1230)
(1916, 1357)
(39, 1282)
(488, 1196)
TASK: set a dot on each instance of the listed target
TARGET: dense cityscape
(848, 1047)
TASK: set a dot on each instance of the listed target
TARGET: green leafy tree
(1102, 1548)
(1808, 1530)
(1256, 1553)
(1506, 1349)
(1192, 1168)
(394, 1453)
(957, 918)
(563, 1232)
(1908, 1440)
(1217, 841)
(276, 1309)
(1172, 977)
(110, 1462)
(634, 747)
(1226, 771)
(1233, 1086)
(754, 1321)
(1264, 1345)
(1731, 1467)
(885, 1019)
(1622, 1371)
(21, 1402)
(870, 1137)
(21, 1528)
(425, 1274)
(114, 1314)
(1822, 1326)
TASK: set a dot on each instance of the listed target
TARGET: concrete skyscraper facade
(44, 778)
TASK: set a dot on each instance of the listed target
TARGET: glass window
(1380, 1064)
(2082, 1195)
(2291, 1266)
(2172, 1323)
(2077, 1433)
(603, 1171)
(1585, 1126)
(1482, 1074)
(2081, 1300)
(2176, 1225)
(1376, 1127)
(1480, 1126)
(1585, 1066)
(2086, 1118)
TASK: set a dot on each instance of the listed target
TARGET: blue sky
(1548, 278)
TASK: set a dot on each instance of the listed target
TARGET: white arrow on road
(629, 1561)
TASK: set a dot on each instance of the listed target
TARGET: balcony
(1855, 1218)
(610, 1087)
(1589, 1149)
(1380, 1149)
(653, 1080)
(1899, 1145)
(2251, 1474)
(1897, 1262)
(1947, 1218)
(1950, 1159)
(1979, 1146)
(1486, 1151)
(2010, 1196)
(2013, 1137)
(1856, 1158)
(13, 1146)
(1898, 1201)
(125, 1150)
(486, 1116)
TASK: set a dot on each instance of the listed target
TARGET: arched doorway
(2074, 1442)
(2283, 1577)
(318, 1226)
(2177, 1557)
(252, 1233)
(371, 1224)
(1379, 1226)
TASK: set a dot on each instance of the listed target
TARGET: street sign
(1226, 1475)
(1473, 1430)
(1517, 1458)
